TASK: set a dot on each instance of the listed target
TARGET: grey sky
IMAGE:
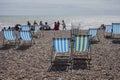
(59, 7)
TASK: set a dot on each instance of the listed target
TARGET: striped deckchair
(115, 29)
(61, 52)
(37, 28)
(108, 30)
(9, 35)
(36, 31)
(81, 48)
(94, 33)
(25, 36)
(25, 27)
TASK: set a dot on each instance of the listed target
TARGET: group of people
(57, 25)
(46, 26)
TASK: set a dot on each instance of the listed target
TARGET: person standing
(41, 25)
(58, 23)
(35, 23)
(64, 25)
(28, 23)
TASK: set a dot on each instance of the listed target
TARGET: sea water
(83, 22)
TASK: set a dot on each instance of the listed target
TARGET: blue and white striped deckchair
(25, 27)
(115, 29)
(61, 50)
(93, 32)
(81, 47)
(25, 36)
(9, 35)
(37, 28)
(108, 29)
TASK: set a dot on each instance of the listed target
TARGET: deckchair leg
(98, 38)
(15, 42)
(33, 41)
(19, 42)
(71, 66)
(3, 41)
(49, 69)
(89, 64)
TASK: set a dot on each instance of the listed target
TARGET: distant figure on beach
(58, 23)
(28, 23)
(46, 26)
(102, 26)
(9, 27)
(41, 25)
(4, 28)
(35, 23)
(56, 26)
(17, 27)
(64, 25)
(33, 26)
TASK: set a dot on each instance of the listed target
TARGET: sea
(83, 22)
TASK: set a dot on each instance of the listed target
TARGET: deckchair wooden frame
(60, 58)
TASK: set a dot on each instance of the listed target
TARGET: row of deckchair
(92, 31)
(27, 28)
(24, 34)
(10, 35)
(65, 51)
(112, 30)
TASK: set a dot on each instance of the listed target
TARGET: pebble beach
(23, 62)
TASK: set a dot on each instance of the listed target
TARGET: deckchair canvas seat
(108, 30)
(9, 35)
(37, 28)
(116, 30)
(94, 34)
(25, 36)
(25, 27)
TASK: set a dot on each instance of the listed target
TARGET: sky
(60, 7)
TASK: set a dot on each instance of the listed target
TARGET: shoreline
(86, 22)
